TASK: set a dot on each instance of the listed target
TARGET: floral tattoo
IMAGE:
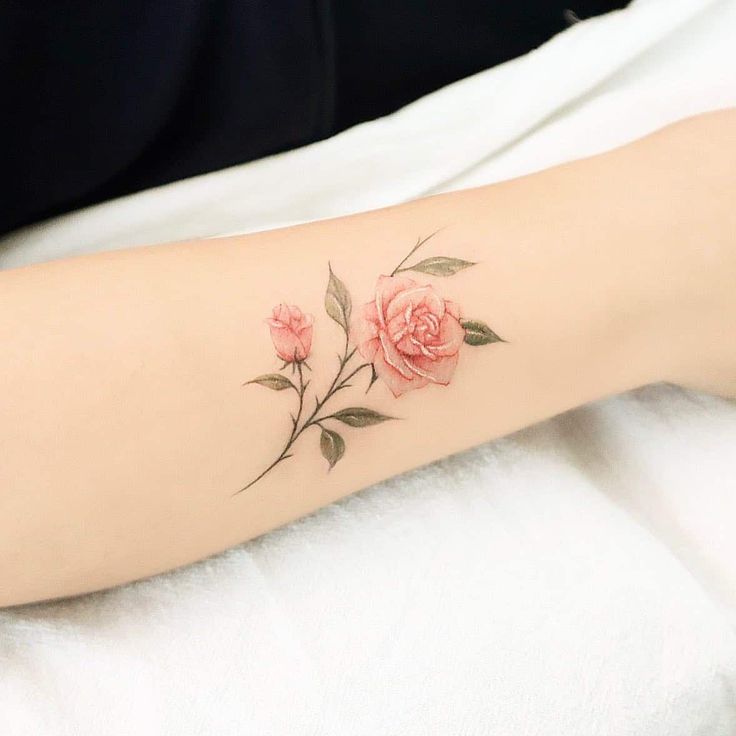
(409, 336)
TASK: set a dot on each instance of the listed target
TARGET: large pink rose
(291, 332)
(410, 334)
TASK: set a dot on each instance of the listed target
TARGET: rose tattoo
(409, 336)
(409, 333)
(291, 332)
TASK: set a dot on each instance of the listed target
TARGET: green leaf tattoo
(439, 266)
(337, 301)
(409, 344)
(479, 333)
(332, 446)
(274, 381)
(359, 416)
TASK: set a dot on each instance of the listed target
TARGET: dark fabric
(110, 97)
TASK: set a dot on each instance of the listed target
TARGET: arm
(127, 430)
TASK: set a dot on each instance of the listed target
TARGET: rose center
(420, 325)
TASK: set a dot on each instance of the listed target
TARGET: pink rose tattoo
(409, 337)
(291, 332)
(409, 333)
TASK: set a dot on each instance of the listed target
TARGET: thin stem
(334, 387)
(292, 437)
(351, 374)
(312, 419)
(255, 480)
(419, 244)
(301, 390)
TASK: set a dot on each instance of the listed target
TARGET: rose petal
(396, 383)
(282, 314)
(409, 345)
(392, 356)
(285, 342)
(364, 329)
(401, 336)
(369, 348)
(387, 287)
(453, 308)
(305, 339)
(450, 337)
(438, 371)
(415, 297)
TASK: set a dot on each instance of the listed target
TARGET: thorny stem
(292, 437)
(344, 381)
(312, 419)
(334, 386)
(302, 389)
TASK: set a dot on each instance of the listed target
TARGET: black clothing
(105, 98)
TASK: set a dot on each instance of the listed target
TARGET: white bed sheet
(576, 578)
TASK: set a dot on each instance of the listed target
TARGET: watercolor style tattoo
(409, 336)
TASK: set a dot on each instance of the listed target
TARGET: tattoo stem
(312, 419)
(292, 437)
(302, 388)
(255, 480)
(419, 244)
(351, 374)
(348, 354)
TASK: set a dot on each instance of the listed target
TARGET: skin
(125, 425)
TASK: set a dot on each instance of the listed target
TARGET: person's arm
(132, 426)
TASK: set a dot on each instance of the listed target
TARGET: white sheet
(577, 578)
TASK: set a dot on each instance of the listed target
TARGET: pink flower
(410, 334)
(291, 332)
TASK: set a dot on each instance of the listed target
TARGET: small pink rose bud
(291, 332)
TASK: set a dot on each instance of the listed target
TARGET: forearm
(128, 431)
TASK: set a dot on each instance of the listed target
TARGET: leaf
(440, 266)
(479, 333)
(359, 416)
(332, 446)
(337, 301)
(274, 381)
